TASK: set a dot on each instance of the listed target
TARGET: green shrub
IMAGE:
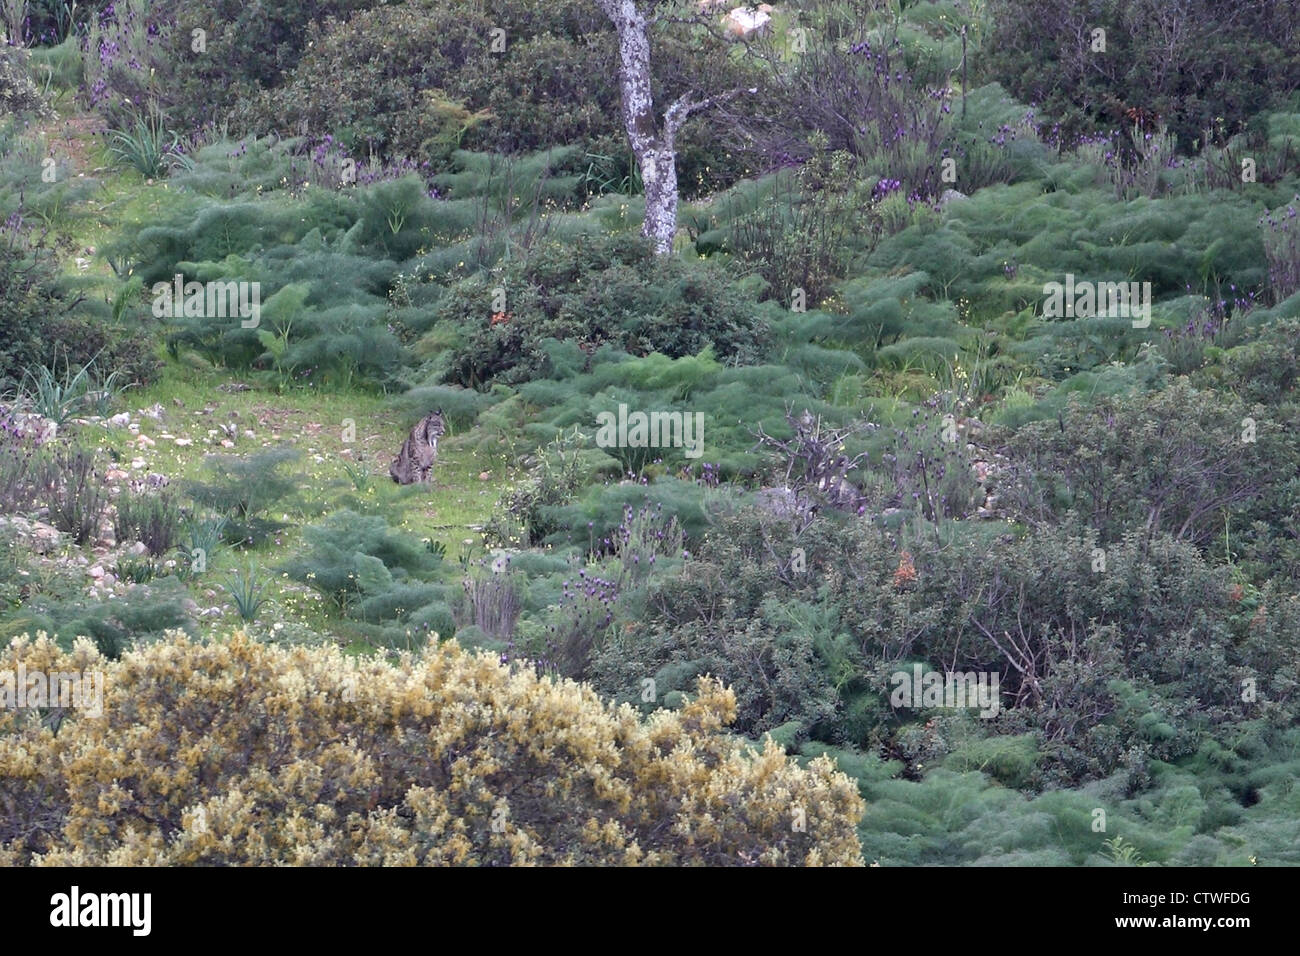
(19, 93)
(141, 615)
(559, 471)
(153, 519)
(58, 66)
(28, 294)
(1265, 370)
(70, 485)
(244, 488)
(804, 228)
(1175, 461)
(1140, 68)
(605, 291)
(352, 556)
(419, 80)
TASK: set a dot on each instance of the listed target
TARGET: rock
(227, 443)
(139, 549)
(746, 21)
(96, 572)
(115, 474)
(108, 580)
(45, 538)
(950, 195)
(29, 425)
(154, 411)
(782, 502)
(121, 420)
(484, 475)
(184, 442)
(144, 441)
(39, 536)
(137, 463)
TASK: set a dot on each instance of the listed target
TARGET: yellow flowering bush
(235, 752)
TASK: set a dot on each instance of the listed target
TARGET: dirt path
(72, 137)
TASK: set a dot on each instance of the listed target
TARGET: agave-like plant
(248, 593)
(57, 397)
(146, 146)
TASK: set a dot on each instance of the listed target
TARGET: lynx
(420, 450)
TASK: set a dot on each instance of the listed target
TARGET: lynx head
(434, 425)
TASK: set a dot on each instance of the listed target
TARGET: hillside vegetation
(975, 354)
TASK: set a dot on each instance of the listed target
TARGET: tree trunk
(654, 148)
(659, 173)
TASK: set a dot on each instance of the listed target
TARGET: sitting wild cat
(420, 450)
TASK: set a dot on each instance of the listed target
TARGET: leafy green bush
(803, 228)
(142, 615)
(1042, 52)
(554, 478)
(418, 79)
(123, 349)
(606, 291)
(737, 609)
(153, 519)
(377, 67)
(243, 489)
(18, 91)
(70, 485)
(365, 568)
(1267, 369)
(1176, 460)
(28, 294)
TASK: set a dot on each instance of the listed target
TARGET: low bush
(155, 520)
(429, 761)
(114, 625)
(19, 93)
(243, 489)
(70, 485)
(28, 294)
(594, 292)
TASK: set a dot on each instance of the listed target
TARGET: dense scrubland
(572, 649)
